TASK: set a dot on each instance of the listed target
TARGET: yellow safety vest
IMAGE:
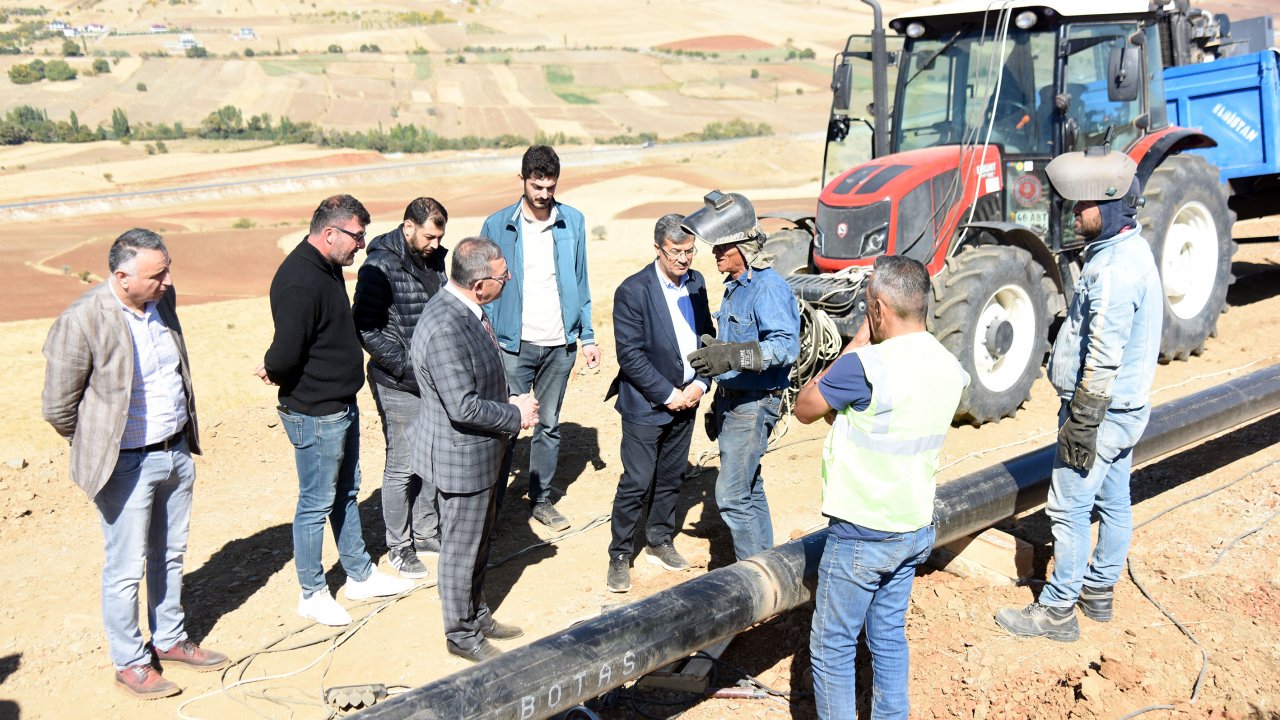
(878, 464)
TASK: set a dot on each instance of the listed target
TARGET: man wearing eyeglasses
(460, 437)
(315, 358)
(545, 313)
(658, 315)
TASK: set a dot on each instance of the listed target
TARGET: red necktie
(484, 320)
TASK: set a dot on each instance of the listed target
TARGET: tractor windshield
(964, 87)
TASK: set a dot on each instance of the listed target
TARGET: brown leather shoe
(192, 656)
(501, 631)
(144, 682)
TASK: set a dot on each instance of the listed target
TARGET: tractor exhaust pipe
(879, 82)
(562, 670)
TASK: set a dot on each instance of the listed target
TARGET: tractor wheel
(790, 250)
(1188, 223)
(989, 309)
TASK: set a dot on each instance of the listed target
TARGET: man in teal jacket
(545, 314)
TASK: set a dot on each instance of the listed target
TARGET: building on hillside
(246, 33)
(159, 28)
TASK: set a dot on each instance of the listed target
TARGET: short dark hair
(423, 209)
(540, 161)
(126, 248)
(335, 210)
(471, 259)
(669, 227)
(903, 282)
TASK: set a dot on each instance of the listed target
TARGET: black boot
(1095, 603)
(1036, 620)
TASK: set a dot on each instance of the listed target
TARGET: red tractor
(983, 95)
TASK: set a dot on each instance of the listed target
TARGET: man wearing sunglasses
(316, 360)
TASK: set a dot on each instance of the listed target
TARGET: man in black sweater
(315, 358)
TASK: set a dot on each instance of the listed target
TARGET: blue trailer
(1236, 102)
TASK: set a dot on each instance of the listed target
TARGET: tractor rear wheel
(790, 250)
(1188, 223)
(989, 309)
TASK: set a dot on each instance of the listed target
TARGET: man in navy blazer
(658, 315)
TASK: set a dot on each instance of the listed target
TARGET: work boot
(665, 556)
(144, 682)
(619, 578)
(1095, 603)
(546, 513)
(192, 656)
(1036, 620)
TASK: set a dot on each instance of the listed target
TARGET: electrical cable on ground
(334, 641)
(1204, 652)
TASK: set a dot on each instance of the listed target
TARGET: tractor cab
(1006, 90)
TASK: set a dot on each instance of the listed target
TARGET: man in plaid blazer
(118, 388)
(460, 437)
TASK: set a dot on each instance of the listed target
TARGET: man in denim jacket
(544, 315)
(759, 340)
(1102, 365)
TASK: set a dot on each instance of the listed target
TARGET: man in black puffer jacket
(404, 269)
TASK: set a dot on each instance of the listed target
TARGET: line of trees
(30, 124)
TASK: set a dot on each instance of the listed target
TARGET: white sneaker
(378, 584)
(322, 608)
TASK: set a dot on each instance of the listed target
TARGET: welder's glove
(717, 357)
(1078, 436)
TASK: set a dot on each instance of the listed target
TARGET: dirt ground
(240, 587)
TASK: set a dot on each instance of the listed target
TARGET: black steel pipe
(562, 670)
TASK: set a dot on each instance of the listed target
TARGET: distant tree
(197, 51)
(71, 48)
(101, 66)
(24, 75)
(59, 71)
(599, 232)
(335, 48)
(141, 87)
(755, 73)
(120, 123)
(248, 52)
(807, 54)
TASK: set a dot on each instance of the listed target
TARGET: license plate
(1036, 219)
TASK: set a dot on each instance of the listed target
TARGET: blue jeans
(865, 582)
(745, 424)
(408, 501)
(1072, 497)
(326, 449)
(145, 511)
(546, 370)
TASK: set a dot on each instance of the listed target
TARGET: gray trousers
(408, 501)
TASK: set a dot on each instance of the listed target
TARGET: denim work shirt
(1110, 341)
(759, 307)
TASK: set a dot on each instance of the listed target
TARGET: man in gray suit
(459, 438)
(118, 388)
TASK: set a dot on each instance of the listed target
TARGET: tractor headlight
(873, 240)
(915, 29)
(1026, 20)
